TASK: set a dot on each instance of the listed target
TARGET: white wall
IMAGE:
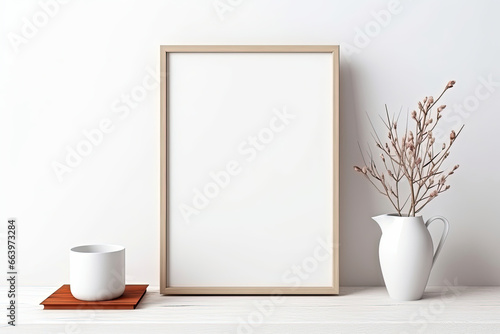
(72, 72)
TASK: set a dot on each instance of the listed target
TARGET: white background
(73, 72)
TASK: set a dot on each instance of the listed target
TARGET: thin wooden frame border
(165, 50)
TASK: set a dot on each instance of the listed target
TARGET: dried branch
(410, 156)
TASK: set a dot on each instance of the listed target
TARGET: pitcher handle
(443, 236)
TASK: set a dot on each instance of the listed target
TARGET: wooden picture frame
(249, 170)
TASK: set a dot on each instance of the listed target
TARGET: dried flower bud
(431, 182)
(432, 140)
(389, 135)
(430, 101)
(382, 157)
(456, 167)
(433, 194)
(420, 106)
(364, 170)
(450, 84)
(414, 114)
(429, 134)
(357, 169)
(441, 108)
(444, 146)
(425, 99)
(410, 136)
(447, 187)
(418, 161)
(453, 135)
(428, 121)
(395, 126)
(442, 180)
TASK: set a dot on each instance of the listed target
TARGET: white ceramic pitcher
(407, 254)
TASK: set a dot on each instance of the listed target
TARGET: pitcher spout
(384, 221)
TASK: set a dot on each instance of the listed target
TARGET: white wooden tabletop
(446, 309)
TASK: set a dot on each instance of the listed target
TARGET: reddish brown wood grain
(62, 299)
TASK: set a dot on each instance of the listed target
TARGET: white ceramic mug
(97, 272)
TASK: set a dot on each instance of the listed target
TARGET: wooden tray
(62, 299)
